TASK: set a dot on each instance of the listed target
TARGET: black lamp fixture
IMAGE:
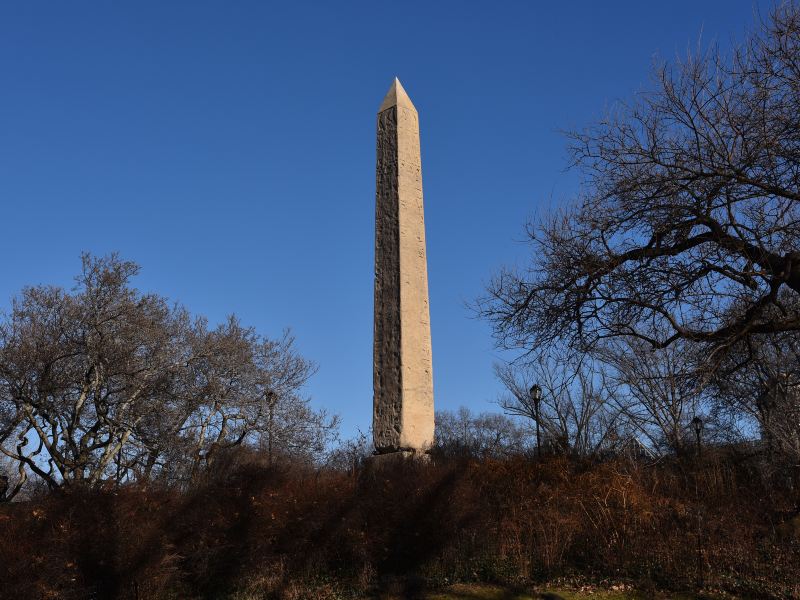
(536, 392)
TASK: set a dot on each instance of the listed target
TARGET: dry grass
(494, 592)
(291, 533)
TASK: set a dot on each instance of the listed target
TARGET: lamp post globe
(536, 392)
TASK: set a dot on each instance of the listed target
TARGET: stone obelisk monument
(402, 370)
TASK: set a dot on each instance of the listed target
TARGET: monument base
(400, 457)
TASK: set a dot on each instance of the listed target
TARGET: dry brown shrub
(276, 532)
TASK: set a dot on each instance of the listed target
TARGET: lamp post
(697, 425)
(272, 398)
(536, 398)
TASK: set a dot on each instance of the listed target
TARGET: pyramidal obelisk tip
(396, 96)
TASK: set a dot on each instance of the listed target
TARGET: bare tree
(13, 475)
(82, 369)
(759, 382)
(107, 383)
(657, 391)
(574, 414)
(484, 435)
(290, 426)
(351, 454)
(688, 227)
(237, 388)
(244, 387)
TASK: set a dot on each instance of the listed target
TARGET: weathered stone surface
(403, 372)
(391, 459)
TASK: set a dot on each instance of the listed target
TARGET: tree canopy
(105, 383)
(687, 227)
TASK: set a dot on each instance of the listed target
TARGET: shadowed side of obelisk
(403, 381)
(387, 381)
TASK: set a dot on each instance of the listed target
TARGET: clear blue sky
(228, 148)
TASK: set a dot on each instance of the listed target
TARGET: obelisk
(402, 369)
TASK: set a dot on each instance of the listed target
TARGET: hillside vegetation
(279, 532)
